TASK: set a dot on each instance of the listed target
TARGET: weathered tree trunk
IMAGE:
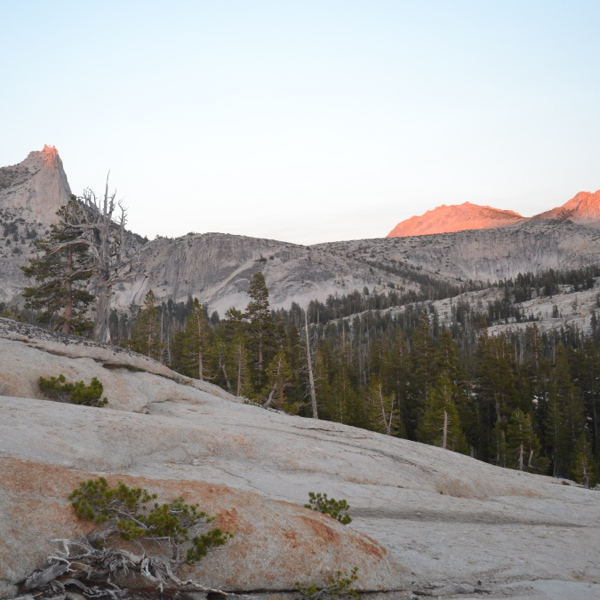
(445, 433)
(240, 352)
(269, 401)
(521, 456)
(106, 238)
(311, 380)
(224, 371)
(101, 329)
(200, 342)
(68, 311)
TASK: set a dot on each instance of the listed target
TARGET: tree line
(526, 400)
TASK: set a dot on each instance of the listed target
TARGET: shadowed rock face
(488, 254)
(217, 269)
(423, 518)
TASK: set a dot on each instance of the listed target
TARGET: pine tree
(588, 362)
(384, 416)
(261, 334)
(230, 350)
(323, 376)
(583, 468)
(497, 397)
(62, 274)
(440, 424)
(422, 376)
(279, 376)
(565, 419)
(523, 448)
(145, 331)
(196, 343)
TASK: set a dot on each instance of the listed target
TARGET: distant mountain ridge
(461, 217)
(216, 268)
(584, 208)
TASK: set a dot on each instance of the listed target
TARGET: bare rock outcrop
(35, 188)
(217, 268)
(274, 543)
(30, 194)
(484, 255)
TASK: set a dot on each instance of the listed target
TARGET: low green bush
(58, 388)
(129, 513)
(337, 509)
(337, 586)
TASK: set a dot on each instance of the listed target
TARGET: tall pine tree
(145, 331)
(61, 274)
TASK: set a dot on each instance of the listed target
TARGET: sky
(306, 121)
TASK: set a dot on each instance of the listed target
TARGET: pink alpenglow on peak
(583, 208)
(50, 155)
(458, 217)
(36, 188)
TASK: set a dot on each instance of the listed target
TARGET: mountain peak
(36, 187)
(583, 208)
(50, 155)
(456, 217)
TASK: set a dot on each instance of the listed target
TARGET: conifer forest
(524, 400)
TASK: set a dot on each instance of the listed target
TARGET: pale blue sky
(306, 121)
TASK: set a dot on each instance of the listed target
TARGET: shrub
(128, 514)
(337, 509)
(58, 388)
(337, 586)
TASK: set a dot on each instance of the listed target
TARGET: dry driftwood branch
(94, 571)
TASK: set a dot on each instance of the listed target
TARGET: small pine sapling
(58, 388)
(128, 514)
(337, 586)
(337, 509)
(162, 531)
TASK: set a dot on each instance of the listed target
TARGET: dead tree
(311, 379)
(104, 232)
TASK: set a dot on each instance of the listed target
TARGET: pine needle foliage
(58, 388)
(337, 586)
(61, 274)
(130, 514)
(337, 509)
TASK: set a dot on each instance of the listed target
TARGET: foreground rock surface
(424, 519)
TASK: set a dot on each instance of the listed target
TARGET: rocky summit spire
(35, 188)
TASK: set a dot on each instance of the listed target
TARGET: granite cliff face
(426, 521)
(487, 254)
(35, 188)
(30, 194)
(217, 268)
